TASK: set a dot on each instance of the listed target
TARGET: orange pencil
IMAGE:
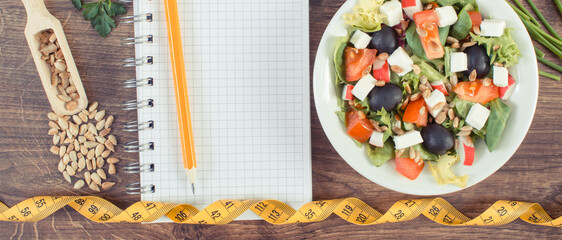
(180, 86)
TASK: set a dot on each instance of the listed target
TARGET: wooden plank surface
(27, 168)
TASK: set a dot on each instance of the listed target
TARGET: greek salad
(419, 81)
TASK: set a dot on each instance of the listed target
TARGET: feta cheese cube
(407, 140)
(360, 39)
(459, 61)
(363, 87)
(377, 139)
(401, 59)
(346, 94)
(410, 10)
(477, 116)
(500, 76)
(433, 100)
(447, 16)
(492, 27)
(392, 12)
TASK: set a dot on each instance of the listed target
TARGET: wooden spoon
(38, 20)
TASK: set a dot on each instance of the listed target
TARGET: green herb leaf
(77, 4)
(114, 8)
(91, 10)
(499, 112)
(378, 156)
(462, 27)
(100, 14)
(507, 53)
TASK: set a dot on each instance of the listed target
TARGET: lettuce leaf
(508, 53)
(499, 112)
(442, 173)
(378, 156)
(365, 16)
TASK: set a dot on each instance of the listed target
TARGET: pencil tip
(193, 188)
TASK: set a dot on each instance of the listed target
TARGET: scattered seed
(113, 160)
(100, 139)
(107, 185)
(456, 45)
(82, 163)
(106, 131)
(451, 39)
(73, 156)
(90, 154)
(396, 69)
(441, 117)
(61, 166)
(408, 89)
(96, 178)
(79, 184)
(472, 75)
(90, 144)
(83, 117)
(398, 130)
(496, 47)
(54, 125)
(73, 129)
(109, 146)
(412, 153)
(400, 152)
(52, 116)
(66, 176)
(94, 187)
(92, 114)
(417, 69)
(101, 173)
(89, 165)
(405, 103)
(56, 139)
(64, 98)
(112, 139)
(87, 177)
(62, 151)
(63, 123)
(486, 82)
(423, 80)
(463, 133)
(70, 170)
(380, 83)
(105, 153)
(466, 45)
(416, 96)
(111, 170)
(426, 93)
(93, 106)
(76, 119)
(99, 115)
(99, 149)
(100, 162)
(451, 113)
(109, 121)
(467, 128)
(54, 149)
(456, 122)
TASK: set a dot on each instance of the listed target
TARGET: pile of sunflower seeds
(83, 142)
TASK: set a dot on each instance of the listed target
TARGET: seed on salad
(486, 82)
(498, 64)
(441, 117)
(456, 45)
(476, 30)
(496, 47)
(466, 45)
(449, 87)
(456, 122)
(472, 75)
(467, 128)
(463, 133)
(396, 69)
(383, 56)
(451, 40)
(408, 89)
(456, 144)
(405, 103)
(454, 80)
(418, 157)
(412, 153)
(426, 93)
(398, 130)
(380, 83)
(361, 115)
(384, 128)
(417, 69)
(422, 110)
(423, 79)
(416, 96)
(421, 32)
(451, 113)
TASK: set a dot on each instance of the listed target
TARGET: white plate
(523, 102)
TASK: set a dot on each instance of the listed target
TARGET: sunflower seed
(52, 116)
(456, 122)
(467, 128)
(412, 153)
(100, 162)
(62, 136)
(76, 145)
(73, 129)
(73, 156)
(83, 129)
(82, 163)
(441, 117)
(96, 178)
(398, 130)
(65, 159)
(54, 150)
(94, 187)
(463, 133)
(496, 47)
(89, 165)
(79, 184)
(111, 170)
(100, 125)
(99, 115)
(109, 121)
(63, 123)
(99, 149)
(64, 98)
(400, 152)
(426, 93)
(52, 131)
(101, 173)
(380, 83)
(466, 45)
(93, 106)
(423, 80)
(66, 176)
(451, 113)
(100, 139)
(106, 131)
(396, 69)
(408, 89)
(105, 153)
(76, 119)
(383, 56)
(90, 137)
(61, 166)
(56, 139)
(83, 117)
(107, 185)
(456, 144)
(472, 75)
(449, 87)
(112, 160)
(73, 166)
(92, 114)
(87, 177)
(109, 146)
(454, 80)
(62, 151)
(417, 69)
(405, 103)
(90, 144)
(451, 39)
(83, 150)
(418, 157)
(54, 125)
(90, 154)
(486, 82)
(416, 96)
(112, 139)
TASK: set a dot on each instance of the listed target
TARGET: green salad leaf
(462, 27)
(458, 3)
(339, 66)
(427, 70)
(378, 156)
(366, 16)
(507, 53)
(447, 60)
(414, 42)
(462, 107)
(499, 113)
(442, 173)
(425, 154)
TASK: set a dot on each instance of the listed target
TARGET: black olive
(387, 97)
(437, 139)
(384, 40)
(477, 59)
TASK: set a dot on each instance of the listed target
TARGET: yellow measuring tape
(352, 210)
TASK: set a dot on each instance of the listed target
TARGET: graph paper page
(247, 67)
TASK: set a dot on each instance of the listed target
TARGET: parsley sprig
(100, 13)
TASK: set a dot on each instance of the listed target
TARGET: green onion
(539, 38)
(539, 52)
(521, 14)
(533, 19)
(543, 20)
(558, 5)
(550, 64)
(549, 75)
(550, 38)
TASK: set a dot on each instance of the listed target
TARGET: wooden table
(28, 169)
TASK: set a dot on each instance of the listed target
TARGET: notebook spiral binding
(136, 126)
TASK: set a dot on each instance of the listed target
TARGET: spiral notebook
(247, 67)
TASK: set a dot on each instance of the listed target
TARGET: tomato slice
(426, 26)
(416, 112)
(476, 91)
(358, 62)
(409, 168)
(358, 128)
(475, 18)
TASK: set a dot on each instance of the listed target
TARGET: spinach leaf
(425, 154)
(447, 60)
(462, 107)
(341, 116)
(427, 70)
(378, 156)
(462, 27)
(414, 42)
(339, 66)
(499, 112)
(458, 3)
